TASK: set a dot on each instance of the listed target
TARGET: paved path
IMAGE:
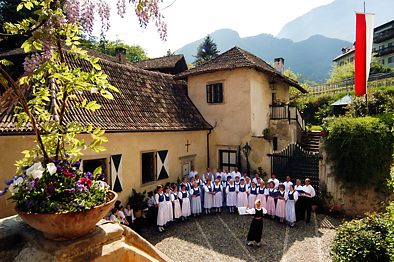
(222, 238)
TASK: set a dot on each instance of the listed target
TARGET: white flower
(51, 168)
(35, 170)
(37, 174)
(93, 90)
(13, 187)
(102, 185)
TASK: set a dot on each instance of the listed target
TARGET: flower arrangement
(48, 178)
(57, 187)
(279, 102)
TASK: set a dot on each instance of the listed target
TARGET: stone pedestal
(109, 242)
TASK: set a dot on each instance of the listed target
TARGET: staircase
(311, 141)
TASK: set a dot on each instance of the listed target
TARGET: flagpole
(366, 89)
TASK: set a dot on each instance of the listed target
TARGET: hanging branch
(21, 98)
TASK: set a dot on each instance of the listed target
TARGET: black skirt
(256, 227)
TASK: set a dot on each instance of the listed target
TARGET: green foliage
(340, 73)
(362, 240)
(346, 71)
(380, 101)
(134, 53)
(360, 149)
(206, 51)
(138, 200)
(317, 107)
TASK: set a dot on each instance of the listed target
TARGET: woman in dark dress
(256, 227)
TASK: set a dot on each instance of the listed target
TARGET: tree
(53, 37)
(134, 53)
(206, 51)
(346, 71)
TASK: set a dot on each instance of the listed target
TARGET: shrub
(362, 240)
(360, 149)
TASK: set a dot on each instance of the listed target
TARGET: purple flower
(25, 167)
(101, 177)
(71, 190)
(77, 164)
(2, 192)
(8, 182)
(89, 175)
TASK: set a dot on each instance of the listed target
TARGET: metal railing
(384, 35)
(290, 113)
(385, 50)
(375, 80)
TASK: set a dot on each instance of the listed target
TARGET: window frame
(214, 93)
(154, 167)
(106, 170)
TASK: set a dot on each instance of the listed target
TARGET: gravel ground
(223, 238)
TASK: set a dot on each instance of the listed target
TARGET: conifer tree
(206, 51)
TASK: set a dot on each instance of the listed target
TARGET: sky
(190, 20)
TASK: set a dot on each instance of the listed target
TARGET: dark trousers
(300, 209)
(308, 208)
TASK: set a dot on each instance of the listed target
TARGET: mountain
(336, 20)
(311, 57)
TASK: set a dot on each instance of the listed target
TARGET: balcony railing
(385, 50)
(382, 36)
(290, 113)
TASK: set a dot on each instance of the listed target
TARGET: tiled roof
(148, 101)
(239, 58)
(165, 64)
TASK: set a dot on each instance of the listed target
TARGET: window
(275, 143)
(215, 93)
(228, 159)
(382, 62)
(89, 165)
(390, 44)
(148, 167)
(390, 60)
(273, 98)
(351, 59)
(155, 166)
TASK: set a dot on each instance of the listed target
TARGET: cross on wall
(187, 146)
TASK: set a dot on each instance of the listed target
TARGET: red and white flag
(363, 53)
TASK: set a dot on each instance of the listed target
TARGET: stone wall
(349, 201)
(109, 242)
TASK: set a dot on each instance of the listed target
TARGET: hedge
(360, 149)
(363, 240)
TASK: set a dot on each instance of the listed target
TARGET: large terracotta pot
(66, 226)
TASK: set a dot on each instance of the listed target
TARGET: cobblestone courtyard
(222, 238)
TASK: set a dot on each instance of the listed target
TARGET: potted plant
(138, 202)
(267, 134)
(51, 193)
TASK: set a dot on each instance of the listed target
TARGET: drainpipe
(210, 131)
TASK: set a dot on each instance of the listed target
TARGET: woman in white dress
(242, 194)
(128, 212)
(176, 203)
(280, 210)
(208, 196)
(252, 195)
(183, 196)
(217, 196)
(231, 196)
(195, 193)
(161, 205)
(271, 199)
(291, 198)
(262, 194)
(169, 210)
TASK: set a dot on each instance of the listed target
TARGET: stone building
(159, 125)
(241, 95)
(154, 129)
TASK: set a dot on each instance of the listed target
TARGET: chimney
(121, 55)
(279, 64)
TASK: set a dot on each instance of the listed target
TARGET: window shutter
(162, 164)
(116, 172)
(220, 93)
(209, 93)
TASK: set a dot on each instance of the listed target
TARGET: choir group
(194, 196)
